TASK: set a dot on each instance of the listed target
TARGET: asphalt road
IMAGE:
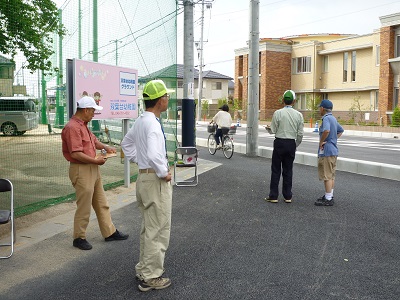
(228, 243)
(375, 149)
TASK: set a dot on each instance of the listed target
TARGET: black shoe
(82, 244)
(324, 202)
(117, 236)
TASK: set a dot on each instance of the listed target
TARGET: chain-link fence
(131, 34)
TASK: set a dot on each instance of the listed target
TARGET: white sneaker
(154, 284)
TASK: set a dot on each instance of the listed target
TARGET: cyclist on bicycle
(223, 120)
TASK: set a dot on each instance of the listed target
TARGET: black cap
(224, 107)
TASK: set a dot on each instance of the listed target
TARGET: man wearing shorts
(329, 132)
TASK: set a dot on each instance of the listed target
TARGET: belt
(284, 139)
(150, 170)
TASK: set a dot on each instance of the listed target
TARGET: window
(376, 103)
(301, 102)
(397, 45)
(325, 64)
(17, 105)
(216, 85)
(378, 55)
(301, 65)
(353, 66)
(180, 84)
(170, 84)
(345, 61)
(240, 72)
(395, 98)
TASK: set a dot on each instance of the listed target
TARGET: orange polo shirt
(76, 137)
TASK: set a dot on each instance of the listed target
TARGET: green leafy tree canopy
(27, 25)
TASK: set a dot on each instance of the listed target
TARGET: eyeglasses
(167, 96)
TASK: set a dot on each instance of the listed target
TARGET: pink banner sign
(112, 87)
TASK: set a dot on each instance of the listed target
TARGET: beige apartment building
(358, 73)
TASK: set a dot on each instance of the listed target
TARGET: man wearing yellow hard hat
(145, 145)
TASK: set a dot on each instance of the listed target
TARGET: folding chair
(188, 160)
(8, 215)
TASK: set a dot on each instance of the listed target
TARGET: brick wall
(275, 68)
(275, 79)
(386, 77)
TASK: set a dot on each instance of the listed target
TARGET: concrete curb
(347, 132)
(361, 167)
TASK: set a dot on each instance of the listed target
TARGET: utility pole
(59, 105)
(200, 64)
(95, 123)
(79, 30)
(188, 104)
(253, 81)
(116, 41)
(95, 33)
(200, 50)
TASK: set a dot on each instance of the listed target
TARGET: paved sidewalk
(30, 231)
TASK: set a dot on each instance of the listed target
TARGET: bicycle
(227, 141)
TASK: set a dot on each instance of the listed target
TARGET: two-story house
(215, 85)
(7, 68)
(356, 72)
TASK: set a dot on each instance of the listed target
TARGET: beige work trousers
(154, 198)
(86, 179)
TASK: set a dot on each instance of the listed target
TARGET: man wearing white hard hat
(288, 126)
(79, 146)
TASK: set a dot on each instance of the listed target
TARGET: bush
(396, 117)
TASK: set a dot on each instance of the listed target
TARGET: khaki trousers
(154, 198)
(86, 180)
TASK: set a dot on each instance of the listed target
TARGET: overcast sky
(227, 23)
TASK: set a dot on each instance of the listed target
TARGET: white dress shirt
(144, 144)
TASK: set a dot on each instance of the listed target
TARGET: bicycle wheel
(212, 148)
(228, 147)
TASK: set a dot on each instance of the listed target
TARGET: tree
(27, 25)
(357, 109)
(312, 104)
(205, 106)
(222, 101)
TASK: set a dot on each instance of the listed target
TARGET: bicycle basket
(232, 130)
(211, 128)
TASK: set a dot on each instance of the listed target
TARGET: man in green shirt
(288, 126)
